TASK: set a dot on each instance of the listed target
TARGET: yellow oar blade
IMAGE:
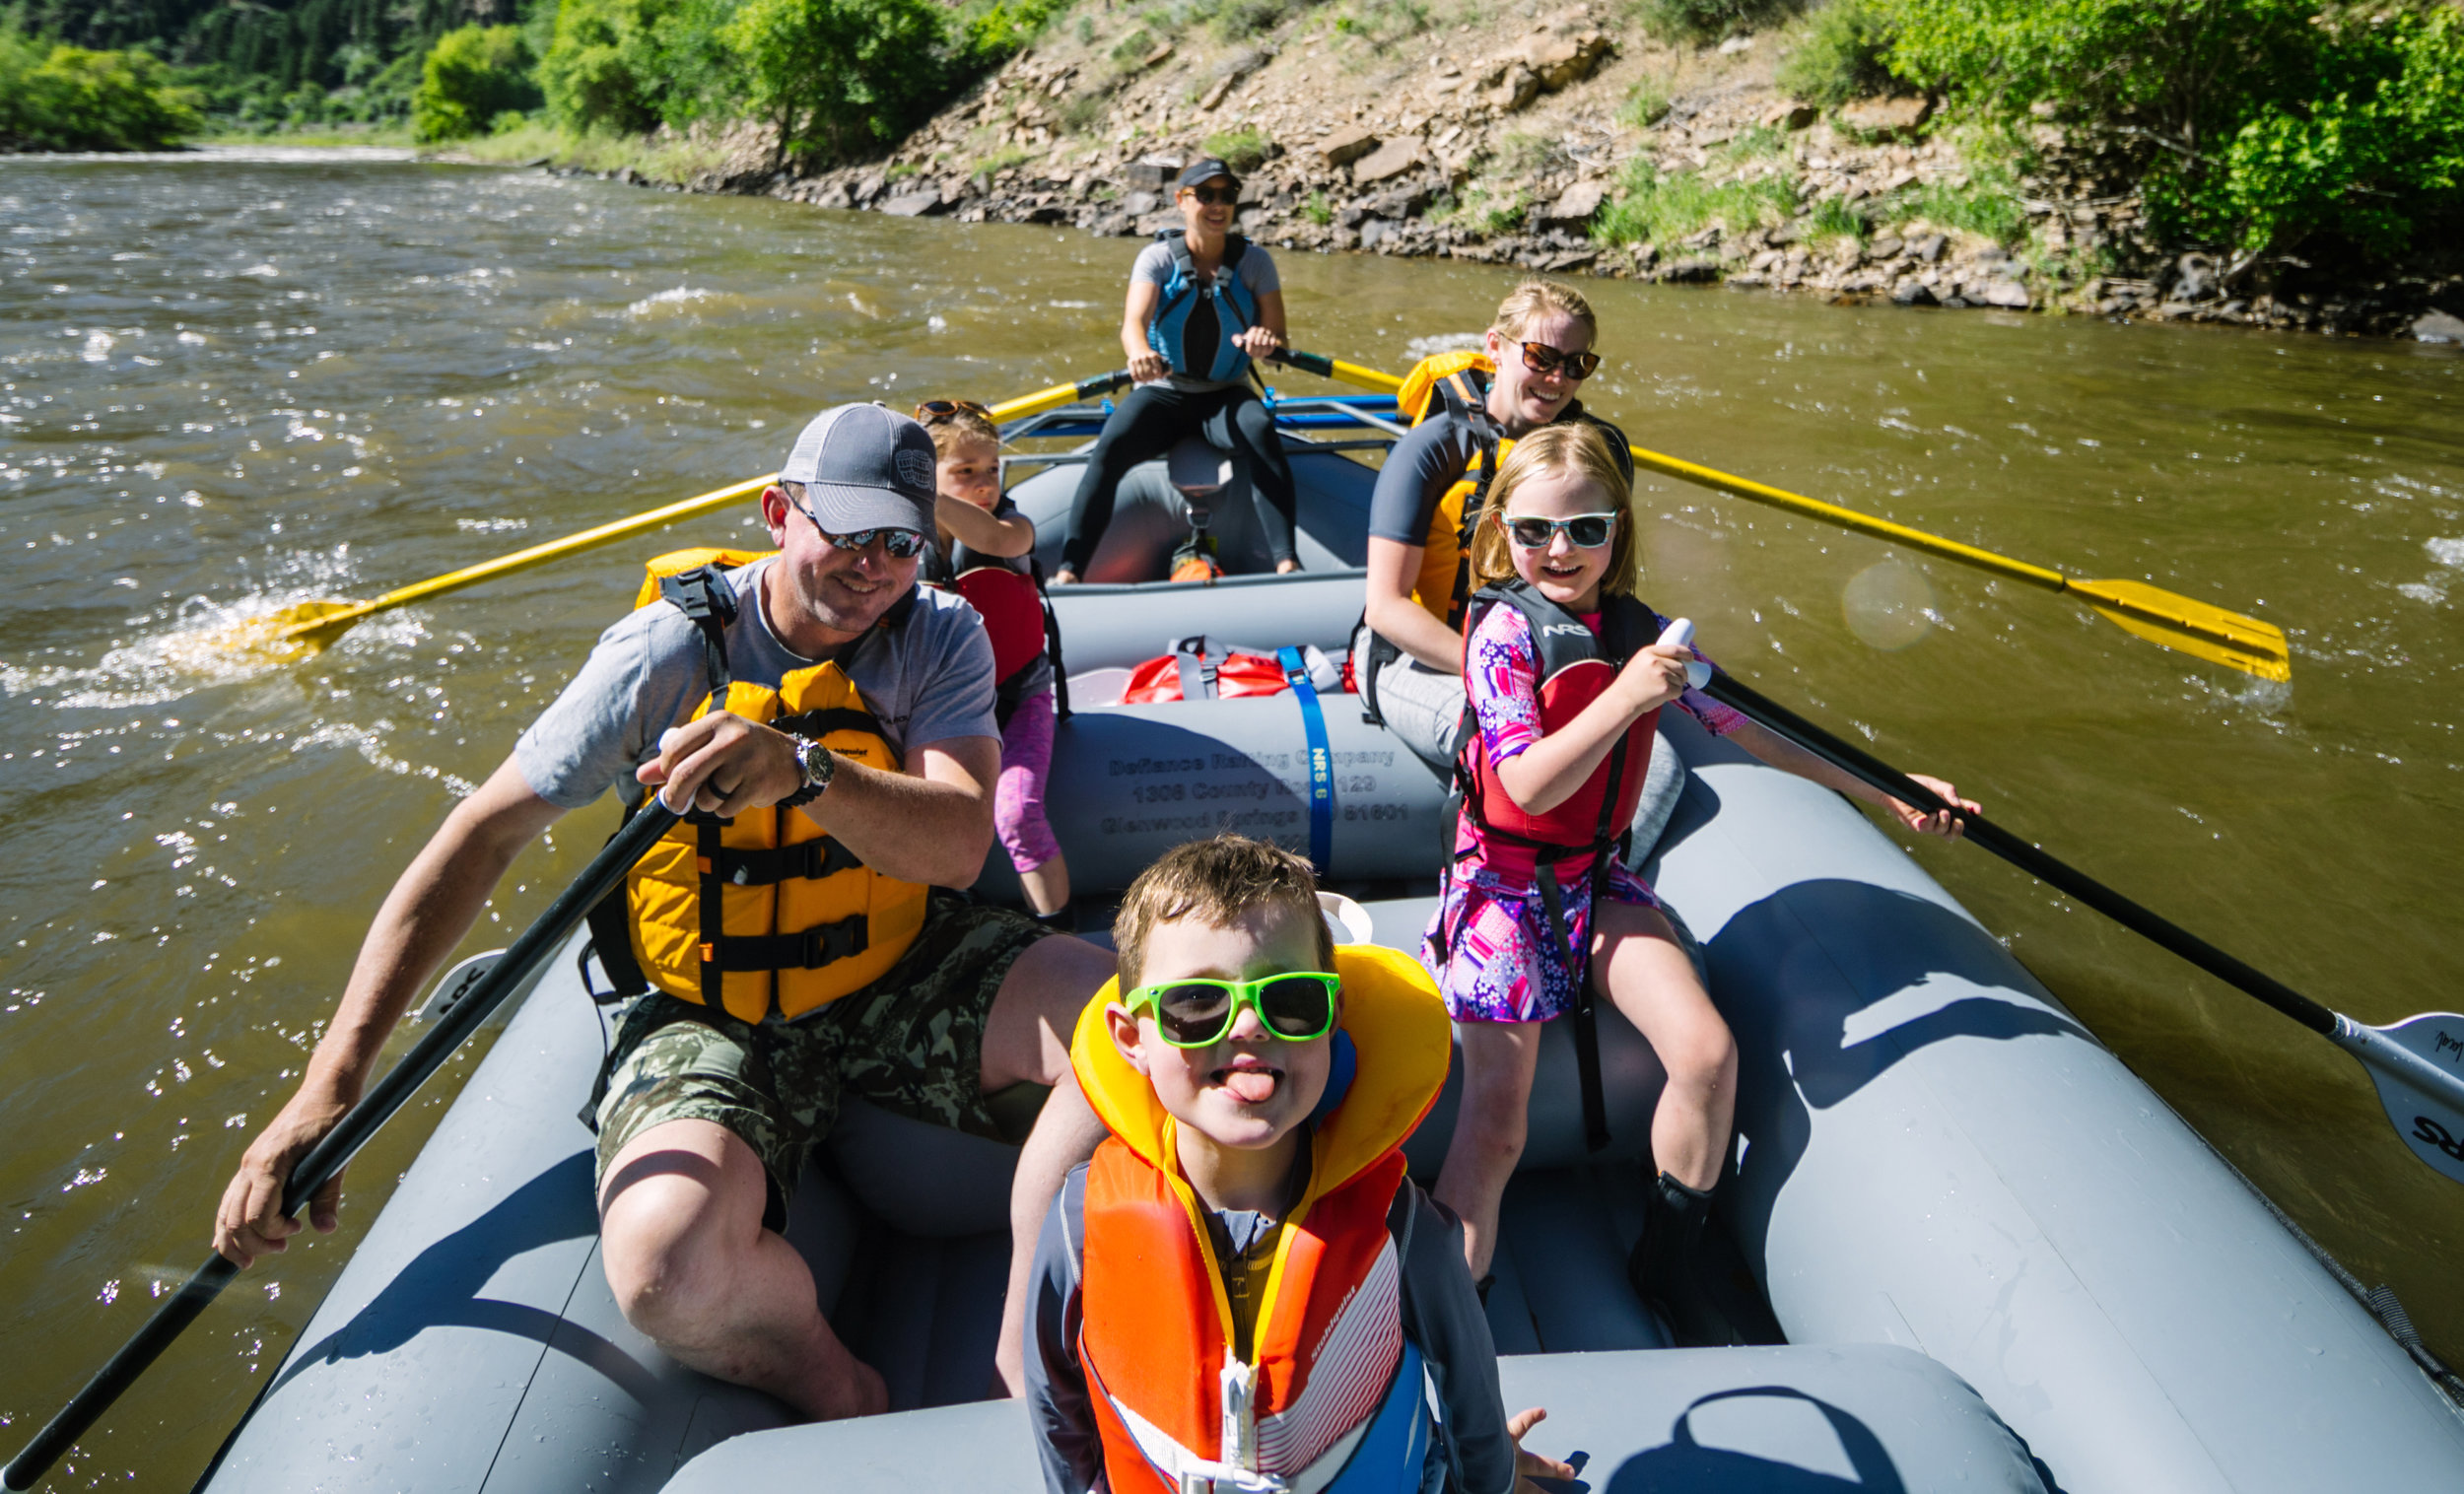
(2186, 626)
(291, 633)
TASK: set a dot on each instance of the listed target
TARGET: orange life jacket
(1454, 387)
(1173, 1403)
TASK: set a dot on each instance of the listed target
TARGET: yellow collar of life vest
(1402, 1039)
(1419, 385)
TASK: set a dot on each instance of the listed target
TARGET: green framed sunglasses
(1296, 1007)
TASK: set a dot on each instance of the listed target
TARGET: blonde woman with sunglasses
(1566, 682)
(1468, 409)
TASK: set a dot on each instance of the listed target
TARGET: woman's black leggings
(1144, 425)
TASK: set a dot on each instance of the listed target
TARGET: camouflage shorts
(911, 1042)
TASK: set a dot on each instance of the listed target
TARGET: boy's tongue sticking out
(1250, 1079)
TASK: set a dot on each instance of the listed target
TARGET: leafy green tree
(602, 69)
(2257, 124)
(60, 97)
(839, 78)
(471, 76)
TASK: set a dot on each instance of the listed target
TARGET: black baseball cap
(1207, 170)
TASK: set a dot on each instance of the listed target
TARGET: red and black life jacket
(1019, 619)
(1589, 825)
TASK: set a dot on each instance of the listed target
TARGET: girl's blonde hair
(1575, 447)
(1532, 299)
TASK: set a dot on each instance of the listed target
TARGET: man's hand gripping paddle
(328, 1157)
(2416, 1063)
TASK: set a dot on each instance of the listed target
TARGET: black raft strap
(810, 950)
(1585, 1017)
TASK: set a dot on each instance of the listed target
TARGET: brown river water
(225, 385)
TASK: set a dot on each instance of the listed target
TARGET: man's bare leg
(1027, 1037)
(680, 1231)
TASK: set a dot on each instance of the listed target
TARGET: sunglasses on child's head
(934, 411)
(1541, 358)
(1197, 1013)
(1588, 531)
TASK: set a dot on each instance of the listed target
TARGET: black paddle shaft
(328, 1157)
(1727, 689)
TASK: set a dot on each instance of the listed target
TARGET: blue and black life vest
(1196, 323)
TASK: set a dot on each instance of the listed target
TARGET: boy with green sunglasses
(1242, 1290)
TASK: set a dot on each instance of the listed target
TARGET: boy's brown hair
(1577, 445)
(962, 427)
(1215, 881)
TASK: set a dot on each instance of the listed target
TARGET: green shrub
(471, 76)
(1987, 203)
(1006, 28)
(1833, 218)
(1318, 210)
(1242, 150)
(58, 97)
(839, 78)
(1837, 55)
(1238, 20)
(2253, 126)
(1701, 20)
(1659, 209)
(1132, 48)
(1646, 104)
(1084, 112)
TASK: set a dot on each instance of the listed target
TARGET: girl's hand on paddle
(1257, 342)
(1654, 677)
(1146, 365)
(723, 764)
(1530, 1465)
(249, 1222)
(1941, 822)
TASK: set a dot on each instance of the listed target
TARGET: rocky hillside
(1564, 141)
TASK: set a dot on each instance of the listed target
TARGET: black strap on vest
(812, 949)
(1468, 401)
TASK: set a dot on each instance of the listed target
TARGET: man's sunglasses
(1541, 358)
(1217, 197)
(1196, 1013)
(897, 544)
(1589, 531)
(934, 411)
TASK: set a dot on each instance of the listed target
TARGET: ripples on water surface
(233, 384)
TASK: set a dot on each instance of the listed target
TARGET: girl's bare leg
(1498, 1061)
(1638, 965)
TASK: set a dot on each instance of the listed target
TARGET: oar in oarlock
(453, 1023)
(2416, 1063)
(2184, 624)
(309, 626)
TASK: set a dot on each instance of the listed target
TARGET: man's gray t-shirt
(1256, 270)
(928, 678)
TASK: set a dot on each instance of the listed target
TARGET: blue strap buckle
(1321, 760)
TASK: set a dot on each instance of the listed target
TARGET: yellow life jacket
(763, 911)
(1444, 386)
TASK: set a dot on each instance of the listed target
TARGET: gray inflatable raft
(2002, 1262)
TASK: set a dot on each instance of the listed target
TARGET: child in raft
(1565, 681)
(979, 529)
(1242, 1290)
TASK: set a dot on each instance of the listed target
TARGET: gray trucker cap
(864, 467)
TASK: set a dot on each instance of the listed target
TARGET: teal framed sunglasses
(1296, 1007)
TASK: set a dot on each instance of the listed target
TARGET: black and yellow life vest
(1454, 387)
(763, 912)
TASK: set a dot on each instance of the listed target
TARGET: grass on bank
(667, 159)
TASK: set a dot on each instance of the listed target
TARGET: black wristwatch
(818, 766)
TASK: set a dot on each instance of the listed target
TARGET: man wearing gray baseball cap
(839, 719)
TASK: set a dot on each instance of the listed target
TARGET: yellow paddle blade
(289, 632)
(2199, 628)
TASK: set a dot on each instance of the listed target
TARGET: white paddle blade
(2418, 1064)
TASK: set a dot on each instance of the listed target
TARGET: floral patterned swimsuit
(1503, 966)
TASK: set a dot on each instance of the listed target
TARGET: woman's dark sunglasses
(1217, 197)
(1589, 531)
(1541, 358)
(1198, 1013)
(934, 411)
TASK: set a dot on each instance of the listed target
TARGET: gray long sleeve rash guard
(1440, 1307)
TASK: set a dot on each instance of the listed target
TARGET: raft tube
(2001, 1261)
